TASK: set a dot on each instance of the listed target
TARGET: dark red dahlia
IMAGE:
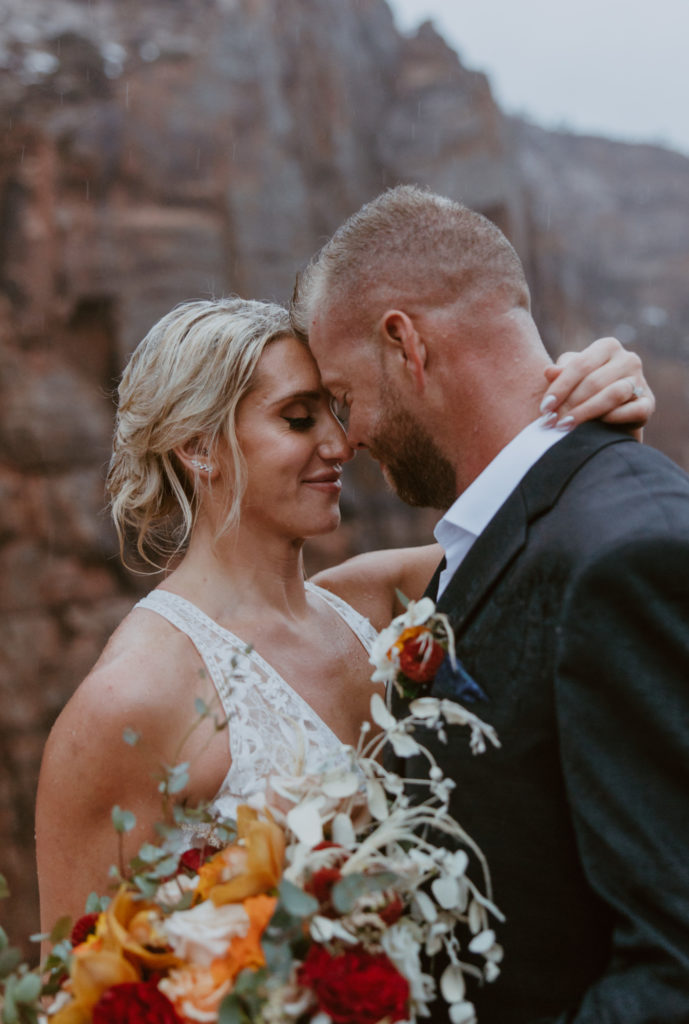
(355, 987)
(137, 1002)
(82, 928)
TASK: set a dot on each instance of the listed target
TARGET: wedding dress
(272, 730)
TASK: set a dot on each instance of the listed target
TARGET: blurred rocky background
(169, 149)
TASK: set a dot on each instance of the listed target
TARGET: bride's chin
(327, 525)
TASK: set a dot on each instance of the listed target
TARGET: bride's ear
(197, 459)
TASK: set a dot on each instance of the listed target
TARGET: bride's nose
(334, 444)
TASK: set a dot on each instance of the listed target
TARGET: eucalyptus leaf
(4, 941)
(60, 930)
(96, 903)
(278, 959)
(403, 600)
(231, 1011)
(201, 708)
(148, 887)
(4, 888)
(295, 900)
(349, 889)
(9, 959)
(178, 777)
(149, 853)
(9, 1007)
(250, 988)
(27, 989)
(166, 867)
(123, 821)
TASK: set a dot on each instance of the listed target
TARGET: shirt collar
(476, 506)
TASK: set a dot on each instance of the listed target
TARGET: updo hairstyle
(184, 382)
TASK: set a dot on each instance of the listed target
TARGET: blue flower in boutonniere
(416, 653)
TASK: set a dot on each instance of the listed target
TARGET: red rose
(392, 911)
(355, 987)
(194, 858)
(420, 658)
(137, 1002)
(320, 885)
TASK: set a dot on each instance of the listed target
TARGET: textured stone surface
(161, 151)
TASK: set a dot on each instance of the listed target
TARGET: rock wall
(185, 148)
(608, 228)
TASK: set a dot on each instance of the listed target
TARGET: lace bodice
(272, 729)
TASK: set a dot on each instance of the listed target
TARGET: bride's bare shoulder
(133, 683)
(370, 582)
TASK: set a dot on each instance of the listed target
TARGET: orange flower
(196, 992)
(410, 633)
(245, 950)
(251, 866)
(92, 972)
(127, 921)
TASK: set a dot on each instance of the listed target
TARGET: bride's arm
(370, 582)
(88, 768)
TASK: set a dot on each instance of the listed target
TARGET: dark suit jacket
(571, 611)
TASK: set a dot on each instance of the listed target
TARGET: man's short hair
(409, 242)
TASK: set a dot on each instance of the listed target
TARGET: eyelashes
(300, 423)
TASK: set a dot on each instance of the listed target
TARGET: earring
(203, 467)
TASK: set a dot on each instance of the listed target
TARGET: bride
(227, 455)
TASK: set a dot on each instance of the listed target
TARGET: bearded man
(566, 580)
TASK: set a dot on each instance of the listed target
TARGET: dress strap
(358, 623)
(208, 638)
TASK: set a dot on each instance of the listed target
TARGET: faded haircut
(409, 243)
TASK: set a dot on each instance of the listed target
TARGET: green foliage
(10, 959)
(123, 821)
(347, 891)
(4, 888)
(295, 901)
(243, 1004)
(61, 930)
(176, 778)
(131, 736)
(96, 903)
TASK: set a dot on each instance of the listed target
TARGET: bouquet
(320, 904)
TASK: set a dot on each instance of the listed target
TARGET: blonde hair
(409, 243)
(184, 381)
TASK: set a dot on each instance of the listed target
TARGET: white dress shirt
(475, 507)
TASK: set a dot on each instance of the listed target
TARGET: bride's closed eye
(300, 422)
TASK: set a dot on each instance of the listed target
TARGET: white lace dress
(272, 730)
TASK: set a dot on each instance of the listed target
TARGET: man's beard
(411, 460)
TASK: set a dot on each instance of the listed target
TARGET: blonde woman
(227, 456)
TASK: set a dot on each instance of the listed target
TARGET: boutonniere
(416, 653)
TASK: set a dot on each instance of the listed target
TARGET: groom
(567, 584)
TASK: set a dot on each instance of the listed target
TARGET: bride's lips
(329, 482)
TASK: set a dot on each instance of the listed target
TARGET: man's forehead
(327, 346)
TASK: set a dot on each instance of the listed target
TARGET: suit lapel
(507, 532)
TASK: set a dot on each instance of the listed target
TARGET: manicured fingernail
(549, 420)
(548, 402)
(565, 423)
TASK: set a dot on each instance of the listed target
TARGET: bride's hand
(605, 381)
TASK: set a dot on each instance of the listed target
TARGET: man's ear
(402, 339)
